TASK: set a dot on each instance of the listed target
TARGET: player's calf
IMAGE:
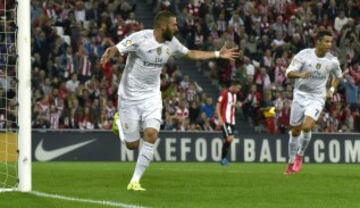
(150, 135)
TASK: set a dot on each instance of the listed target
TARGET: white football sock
(293, 147)
(146, 155)
(304, 142)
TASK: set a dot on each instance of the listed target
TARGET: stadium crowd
(269, 33)
(71, 90)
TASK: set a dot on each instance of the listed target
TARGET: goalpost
(15, 124)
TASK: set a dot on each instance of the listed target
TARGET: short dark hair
(162, 17)
(322, 33)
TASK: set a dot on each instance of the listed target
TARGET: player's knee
(295, 132)
(150, 135)
(307, 126)
(132, 145)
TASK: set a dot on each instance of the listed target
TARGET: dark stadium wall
(192, 147)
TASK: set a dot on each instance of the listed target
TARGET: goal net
(15, 103)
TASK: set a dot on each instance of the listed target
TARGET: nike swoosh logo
(45, 155)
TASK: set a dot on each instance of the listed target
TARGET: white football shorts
(139, 115)
(305, 105)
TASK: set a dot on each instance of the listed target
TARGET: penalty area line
(89, 201)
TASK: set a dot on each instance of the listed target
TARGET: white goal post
(24, 94)
(15, 143)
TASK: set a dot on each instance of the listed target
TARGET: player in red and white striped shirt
(225, 110)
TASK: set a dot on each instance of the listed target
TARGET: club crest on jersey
(127, 43)
(318, 66)
(158, 51)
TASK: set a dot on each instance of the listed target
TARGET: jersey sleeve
(129, 44)
(337, 69)
(296, 63)
(178, 48)
(222, 101)
(222, 96)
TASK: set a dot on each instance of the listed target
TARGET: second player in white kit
(311, 69)
(139, 89)
(140, 103)
(310, 93)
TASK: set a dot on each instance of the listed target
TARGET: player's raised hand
(229, 53)
(329, 94)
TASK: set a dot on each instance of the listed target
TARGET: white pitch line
(224, 169)
(89, 201)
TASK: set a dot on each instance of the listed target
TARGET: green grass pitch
(173, 185)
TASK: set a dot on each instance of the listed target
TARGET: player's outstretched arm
(225, 53)
(108, 54)
(298, 74)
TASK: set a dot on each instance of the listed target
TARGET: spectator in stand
(267, 107)
(296, 21)
(283, 117)
(208, 108)
(72, 84)
(194, 112)
(351, 91)
(354, 71)
(251, 105)
(181, 114)
(340, 21)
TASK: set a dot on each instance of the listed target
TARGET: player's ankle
(134, 180)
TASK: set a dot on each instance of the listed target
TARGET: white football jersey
(146, 58)
(321, 67)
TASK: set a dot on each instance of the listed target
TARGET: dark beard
(167, 34)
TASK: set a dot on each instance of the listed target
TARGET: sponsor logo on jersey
(152, 64)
